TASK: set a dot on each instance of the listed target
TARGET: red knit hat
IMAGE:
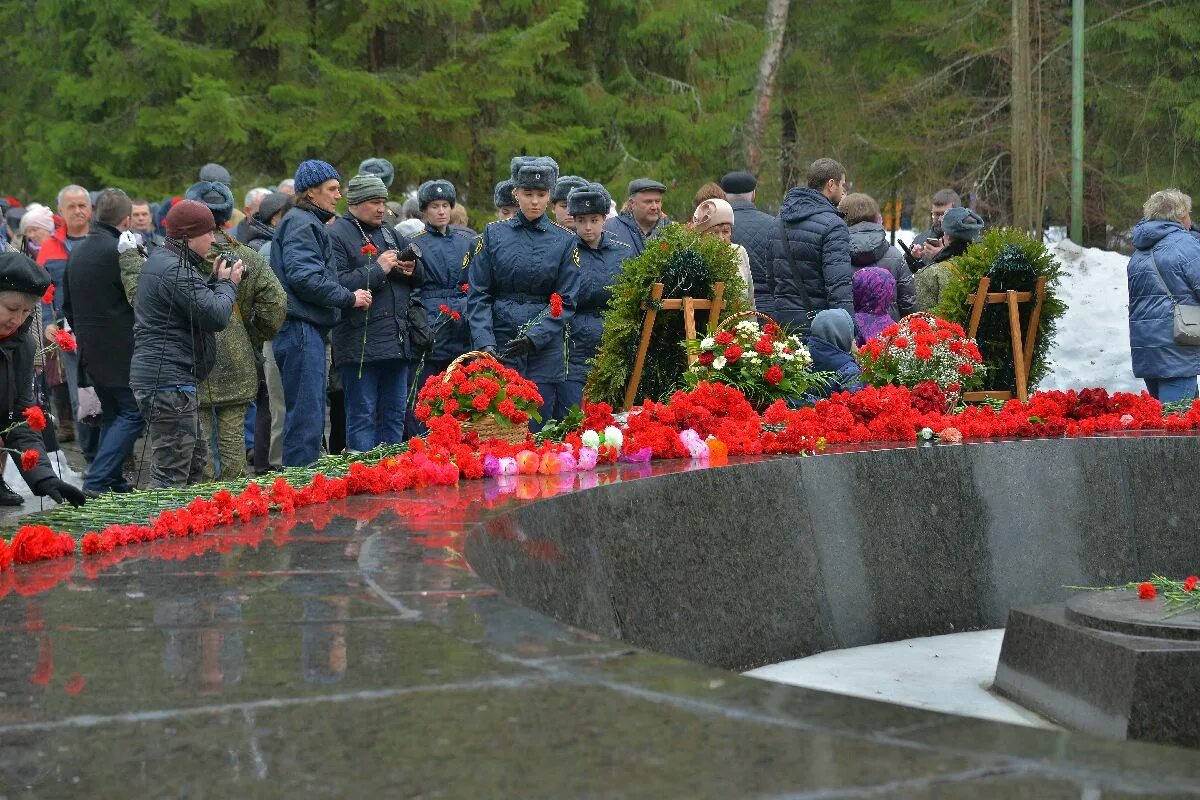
(188, 219)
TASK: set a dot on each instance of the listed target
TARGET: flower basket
(484, 396)
(922, 348)
(761, 361)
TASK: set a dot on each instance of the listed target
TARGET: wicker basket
(487, 427)
(733, 319)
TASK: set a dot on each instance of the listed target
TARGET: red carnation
(764, 346)
(723, 338)
(706, 359)
(1146, 591)
(900, 342)
(369, 249)
(36, 419)
(733, 352)
(480, 402)
(507, 408)
(1190, 583)
(65, 341)
(774, 375)
(771, 329)
(444, 309)
(465, 287)
(29, 459)
(48, 297)
(556, 305)
(965, 368)
(662, 246)
(454, 315)
(923, 352)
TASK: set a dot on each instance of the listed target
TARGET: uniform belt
(524, 298)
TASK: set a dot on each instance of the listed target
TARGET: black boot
(8, 497)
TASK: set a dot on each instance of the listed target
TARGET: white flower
(747, 326)
(709, 343)
(719, 362)
(613, 436)
(590, 439)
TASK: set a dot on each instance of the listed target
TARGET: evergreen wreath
(1012, 260)
(687, 264)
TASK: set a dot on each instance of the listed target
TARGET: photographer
(259, 305)
(177, 313)
(373, 347)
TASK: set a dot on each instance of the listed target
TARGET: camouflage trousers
(224, 431)
(177, 452)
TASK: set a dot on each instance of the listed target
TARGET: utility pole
(1077, 19)
(1022, 142)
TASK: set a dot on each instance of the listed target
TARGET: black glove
(60, 491)
(490, 350)
(520, 346)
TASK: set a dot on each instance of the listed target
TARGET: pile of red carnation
(922, 348)
(480, 388)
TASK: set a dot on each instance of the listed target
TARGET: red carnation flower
(764, 346)
(480, 402)
(774, 375)
(454, 315)
(465, 287)
(36, 419)
(923, 352)
(900, 342)
(48, 297)
(1146, 591)
(662, 246)
(724, 338)
(771, 329)
(507, 408)
(706, 359)
(1190, 583)
(369, 249)
(29, 459)
(444, 309)
(65, 341)
(556, 305)
(965, 368)
(733, 352)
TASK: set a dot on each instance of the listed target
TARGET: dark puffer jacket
(386, 321)
(176, 317)
(304, 260)
(820, 251)
(869, 247)
(752, 229)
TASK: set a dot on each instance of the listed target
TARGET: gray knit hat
(365, 187)
(533, 172)
(963, 224)
(439, 189)
(564, 185)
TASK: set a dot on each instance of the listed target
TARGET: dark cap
(645, 185)
(739, 183)
(271, 205)
(188, 219)
(20, 273)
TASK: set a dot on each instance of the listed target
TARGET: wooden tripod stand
(1022, 350)
(689, 306)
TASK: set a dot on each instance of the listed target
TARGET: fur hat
(362, 188)
(711, 213)
(963, 224)
(313, 173)
(20, 273)
(564, 185)
(188, 219)
(271, 205)
(380, 167)
(591, 198)
(533, 172)
(216, 196)
(502, 195)
(215, 173)
(438, 189)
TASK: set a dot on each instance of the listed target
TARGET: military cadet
(601, 256)
(506, 204)
(558, 199)
(514, 268)
(380, 167)
(642, 217)
(444, 255)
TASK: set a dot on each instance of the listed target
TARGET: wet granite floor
(349, 651)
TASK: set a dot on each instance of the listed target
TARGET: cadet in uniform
(558, 199)
(601, 256)
(506, 204)
(515, 267)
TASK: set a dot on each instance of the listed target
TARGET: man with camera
(373, 347)
(177, 313)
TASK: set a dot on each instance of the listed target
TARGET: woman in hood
(869, 247)
(874, 291)
(831, 345)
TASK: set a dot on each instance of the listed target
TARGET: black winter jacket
(176, 316)
(752, 229)
(16, 395)
(820, 251)
(386, 321)
(95, 305)
(869, 247)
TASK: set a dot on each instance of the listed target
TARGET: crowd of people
(229, 336)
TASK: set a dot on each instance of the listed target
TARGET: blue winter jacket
(306, 263)
(599, 269)
(1151, 311)
(820, 246)
(444, 258)
(829, 358)
(625, 228)
(514, 269)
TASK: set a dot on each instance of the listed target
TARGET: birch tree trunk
(1023, 183)
(768, 68)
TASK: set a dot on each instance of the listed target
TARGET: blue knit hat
(378, 166)
(564, 185)
(591, 198)
(439, 189)
(215, 195)
(502, 195)
(533, 172)
(313, 173)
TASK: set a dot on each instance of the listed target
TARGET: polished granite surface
(349, 651)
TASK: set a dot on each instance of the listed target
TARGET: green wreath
(688, 264)
(1013, 260)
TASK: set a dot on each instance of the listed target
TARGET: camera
(409, 253)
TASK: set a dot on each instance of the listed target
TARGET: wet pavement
(348, 650)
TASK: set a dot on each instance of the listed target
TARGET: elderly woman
(715, 218)
(1163, 273)
(37, 225)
